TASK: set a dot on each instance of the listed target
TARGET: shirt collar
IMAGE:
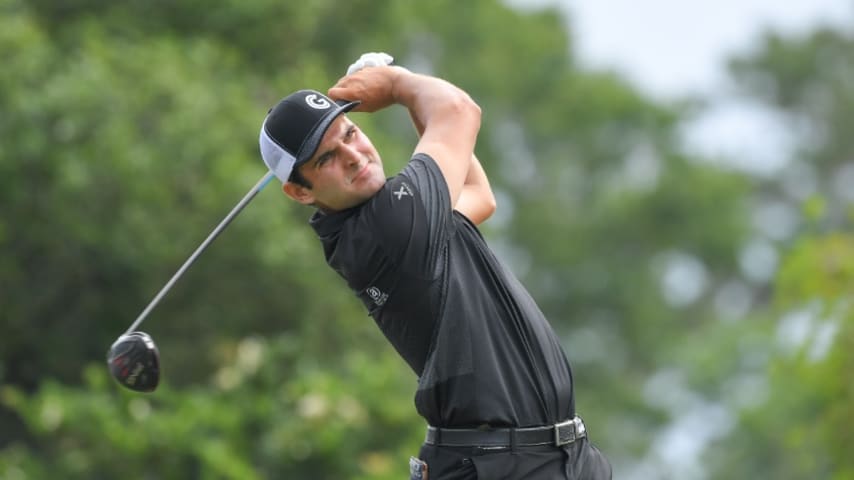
(328, 224)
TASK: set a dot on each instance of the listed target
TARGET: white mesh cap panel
(277, 159)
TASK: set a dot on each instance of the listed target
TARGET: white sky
(672, 48)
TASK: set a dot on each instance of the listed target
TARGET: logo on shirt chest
(377, 296)
(403, 191)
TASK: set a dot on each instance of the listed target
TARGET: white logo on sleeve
(377, 296)
(317, 102)
(403, 191)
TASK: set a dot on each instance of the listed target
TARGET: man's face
(345, 171)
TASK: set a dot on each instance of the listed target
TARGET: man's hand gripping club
(445, 117)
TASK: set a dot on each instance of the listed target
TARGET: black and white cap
(294, 128)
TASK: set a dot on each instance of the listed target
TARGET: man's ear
(299, 193)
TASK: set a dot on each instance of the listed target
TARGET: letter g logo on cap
(317, 102)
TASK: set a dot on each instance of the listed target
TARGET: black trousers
(579, 460)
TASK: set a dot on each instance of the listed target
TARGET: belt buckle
(559, 441)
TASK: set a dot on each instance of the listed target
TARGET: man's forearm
(425, 97)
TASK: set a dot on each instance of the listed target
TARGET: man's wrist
(398, 79)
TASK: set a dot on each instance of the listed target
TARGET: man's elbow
(487, 203)
(474, 111)
(464, 107)
(490, 204)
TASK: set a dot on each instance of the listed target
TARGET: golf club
(133, 359)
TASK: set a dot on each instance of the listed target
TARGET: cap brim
(312, 141)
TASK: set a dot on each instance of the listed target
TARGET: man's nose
(350, 155)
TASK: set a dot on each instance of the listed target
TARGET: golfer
(494, 385)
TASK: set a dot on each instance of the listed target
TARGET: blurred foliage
(800, 425)
(130, 131)
(253, 420)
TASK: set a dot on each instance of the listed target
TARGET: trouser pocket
(445, 463)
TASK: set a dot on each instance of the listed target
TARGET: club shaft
(215, 233)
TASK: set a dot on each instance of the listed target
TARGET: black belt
(558, 434)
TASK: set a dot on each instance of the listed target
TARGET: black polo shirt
(482, 349)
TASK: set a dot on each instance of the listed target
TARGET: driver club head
(134, 361)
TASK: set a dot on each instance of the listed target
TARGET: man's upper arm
(450, 142)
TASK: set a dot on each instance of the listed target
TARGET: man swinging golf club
(494, 384)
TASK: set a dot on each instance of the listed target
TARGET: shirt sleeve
(412, 217)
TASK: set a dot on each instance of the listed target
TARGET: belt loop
(438, 436)
(513, 440)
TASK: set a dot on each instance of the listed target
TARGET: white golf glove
(371, 59)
